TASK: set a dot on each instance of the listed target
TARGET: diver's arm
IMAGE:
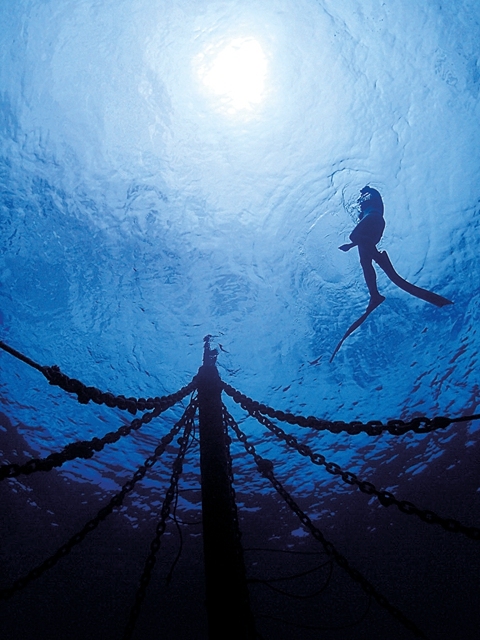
(356, 236)
(368, 230)
(361, 232)
(354, 239)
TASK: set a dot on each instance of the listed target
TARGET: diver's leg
(383, 260)
(367, 254)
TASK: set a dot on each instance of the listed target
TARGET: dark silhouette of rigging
(226, 580)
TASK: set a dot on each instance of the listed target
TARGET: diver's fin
(372, 305)
(385, 264)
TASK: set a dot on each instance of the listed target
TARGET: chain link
(372, 428)
(86, 448)
(116, 501)
(161, 526)
(82, 449)
(385, 497)
(85, 394)
(155, 406)
(265, 467)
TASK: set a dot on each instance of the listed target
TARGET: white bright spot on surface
(236, 74)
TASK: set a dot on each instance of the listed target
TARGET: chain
(265, 467)
(420, 424)
(85, 448)
(81, 449)
(116, 501)
(85, 394)
(161, 526)
(372, 428)
(386, 498)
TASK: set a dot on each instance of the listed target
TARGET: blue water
(140, 211)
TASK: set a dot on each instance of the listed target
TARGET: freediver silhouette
(366, 236)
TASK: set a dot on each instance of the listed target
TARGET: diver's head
(367, 193)
(370, 200)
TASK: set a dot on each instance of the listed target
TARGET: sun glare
(236, 74)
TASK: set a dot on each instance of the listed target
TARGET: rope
(420, 424)
(20, 356)
(268, 582)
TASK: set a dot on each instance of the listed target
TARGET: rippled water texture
(143, 207)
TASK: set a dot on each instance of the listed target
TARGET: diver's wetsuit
(366, 235)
